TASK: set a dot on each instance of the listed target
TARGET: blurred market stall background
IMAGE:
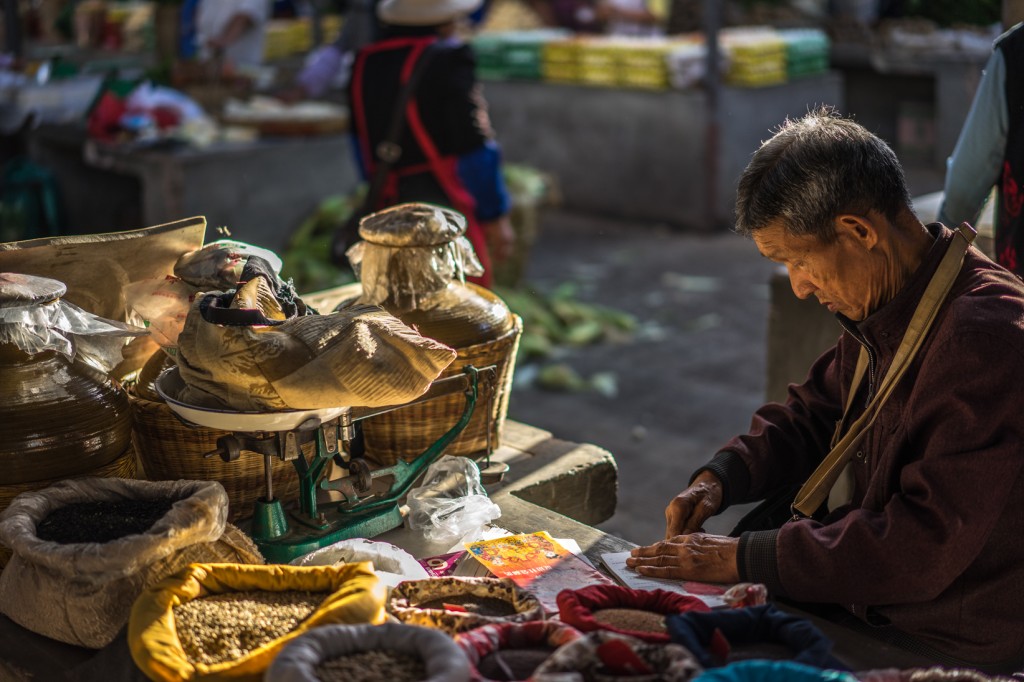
(649, 325)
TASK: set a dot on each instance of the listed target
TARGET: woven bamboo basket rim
(405, 432)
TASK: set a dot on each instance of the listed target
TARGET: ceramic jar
(412, 262)
(58, 417)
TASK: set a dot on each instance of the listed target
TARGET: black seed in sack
(101, 521)
(636, 620)
(506, 665)
(469, 603)
(372, 666)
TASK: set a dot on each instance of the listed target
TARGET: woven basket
(406, 433)
(124, 466)
(169, 450)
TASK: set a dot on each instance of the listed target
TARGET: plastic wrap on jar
(411, 250)
(34, 318)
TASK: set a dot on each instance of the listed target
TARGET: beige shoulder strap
(816, 489)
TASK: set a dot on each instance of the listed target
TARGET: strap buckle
(389, 152)
(967, 232)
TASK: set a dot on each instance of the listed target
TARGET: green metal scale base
(370, 498)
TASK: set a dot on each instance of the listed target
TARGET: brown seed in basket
(631, 619)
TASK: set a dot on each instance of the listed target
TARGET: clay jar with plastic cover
(58, 417)
(411, 262)
(409, 266)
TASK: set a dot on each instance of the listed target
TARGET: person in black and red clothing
(449, 153)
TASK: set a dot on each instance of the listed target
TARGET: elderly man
(916, 526)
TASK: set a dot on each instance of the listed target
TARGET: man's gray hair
(814, 169)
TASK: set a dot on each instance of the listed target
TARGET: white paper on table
(615, 562)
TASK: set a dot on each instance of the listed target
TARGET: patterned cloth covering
(607, 656)
(407, 596)
(482, 641)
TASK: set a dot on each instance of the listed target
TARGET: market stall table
(261, 190)
(572, 477)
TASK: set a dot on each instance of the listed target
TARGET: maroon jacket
(933, 540)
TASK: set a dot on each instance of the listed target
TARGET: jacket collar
(884, 328)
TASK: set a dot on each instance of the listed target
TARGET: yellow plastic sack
(353, 594)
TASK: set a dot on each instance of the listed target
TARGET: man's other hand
(697, 556)
(688, 511)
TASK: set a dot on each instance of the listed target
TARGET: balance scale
(369, 498)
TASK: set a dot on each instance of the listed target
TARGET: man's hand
(698, 556)
(688, 511)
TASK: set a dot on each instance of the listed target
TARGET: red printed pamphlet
(537, 563)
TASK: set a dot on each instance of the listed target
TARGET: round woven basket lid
(413, 224)
(18, 290)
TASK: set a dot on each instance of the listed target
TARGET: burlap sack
(82, 593)
(361, 356)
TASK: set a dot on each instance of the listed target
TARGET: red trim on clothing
(444, 169)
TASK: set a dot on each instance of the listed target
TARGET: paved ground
(688, 381)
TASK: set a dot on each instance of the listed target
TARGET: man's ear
(860, 229)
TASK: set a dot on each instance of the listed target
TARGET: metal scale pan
(169, 386)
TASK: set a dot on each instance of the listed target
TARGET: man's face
(838, 274)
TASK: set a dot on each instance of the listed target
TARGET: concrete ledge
(577, 480)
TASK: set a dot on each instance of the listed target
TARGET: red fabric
(577, 607)
(105, 119)
(482, 641)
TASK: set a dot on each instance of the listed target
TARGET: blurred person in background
(990, 152)
(448, 151)
(231, 31)
(330, 65)
(631, 18)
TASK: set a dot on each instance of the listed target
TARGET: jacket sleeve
(785, 441)
(977, 159)
(964, 436)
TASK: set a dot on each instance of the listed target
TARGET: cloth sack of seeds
(391, 564)
(366, 653)
(517, 649)
(637, 613)
(459, 604)
(226, 621)
(82, 592)
(711, 636)
(246, 351)
(604, 656)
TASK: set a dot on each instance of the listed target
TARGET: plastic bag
(82, 593)
(392, 564)
(163, 304)
(450, 503)
(411, 250)
(219, 264)
(59, 325)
